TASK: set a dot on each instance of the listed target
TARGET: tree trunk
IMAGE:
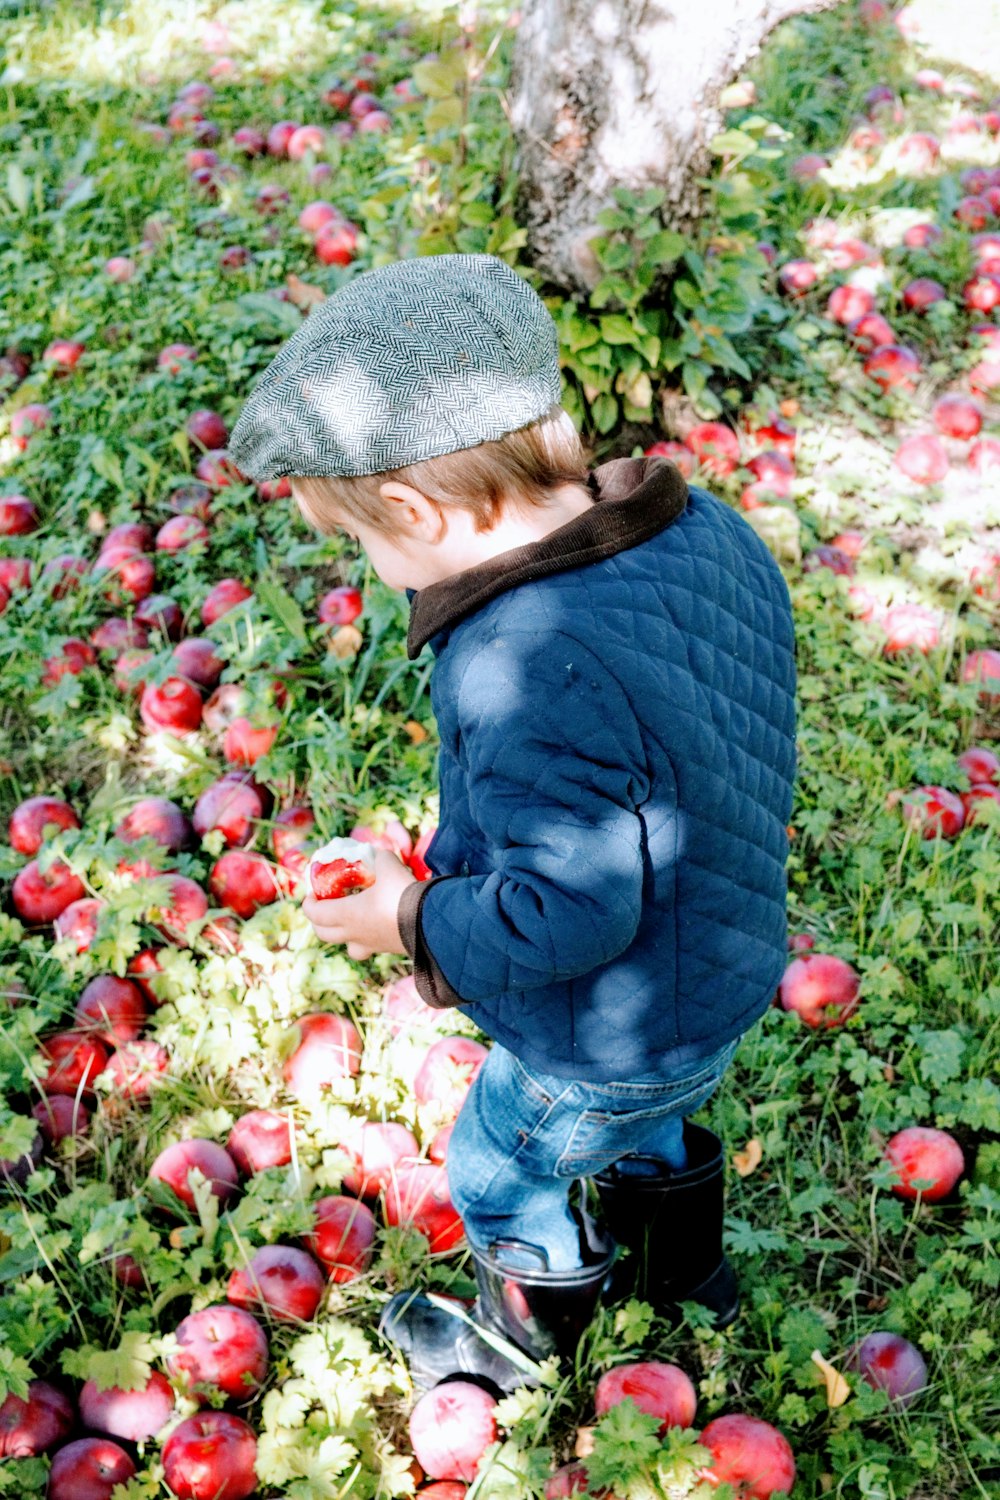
(621, 92)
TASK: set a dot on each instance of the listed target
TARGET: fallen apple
(451, 1426)
(926, 1161)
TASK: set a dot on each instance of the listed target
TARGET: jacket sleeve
(555, 773)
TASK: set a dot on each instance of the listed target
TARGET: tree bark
(621, 92)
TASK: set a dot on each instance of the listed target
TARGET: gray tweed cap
(405, 362)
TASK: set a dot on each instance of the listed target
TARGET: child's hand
(366, 922)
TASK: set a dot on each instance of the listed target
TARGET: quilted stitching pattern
(616, 768)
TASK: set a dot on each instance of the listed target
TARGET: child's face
(397, 561)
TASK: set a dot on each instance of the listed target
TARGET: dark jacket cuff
(432, 987)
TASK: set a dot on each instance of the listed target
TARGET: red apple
(892, 365)
(244, 743)
(127, 575)
(135, 1415)
(571, 1479)
(34, 820)
(234, 256)
(156, 818)
(120, 268)
(806, 168)
(448, 1071)
(889, 1363)
(417, 861)
(418, 1195)
(796, 277)
(343, 1237)
(922, 458)
(78, 922)
(976, 799)
(175, 1163)
(161, 612)
(15, 573)
(133, 1070)
(985, 454)
(207, 428)
(224, 596)
(59, 1116)
(211, 1457)
(922, 293)
(27, 421)
(292, 828)
(680, 456)
(751, 1455)
(934, 811)
(376, 1147)
(849, 303)
(243, 882)
(260, 1139)
(129, 672)
(30, 1427)
(173, 357)
(832, 558)
(336, 244)
(316, 215)
(329, 1048)
(217, 469)
(715, 446)
(921, 236)
(822, 989)
(910, 627)
(281, 1280)
(18, 1169)
(180, 533)
(18, 515)
(41, 898)
(112, 1009)
(72, 658)
(979, 666)
(89, 1469)
(305, 138)
(232, 805)
(405, 1010)
(118, 634)
(973, 212)
(921, 1154)
(660, 1390)
(64, 573)
(195, 660)
(437, 1151)
(451, 1427)
(221, 1348)
(279, 135)
(393, 837)
(271, 198)
(917, 154)
(982, 292)
(773, 469)
(340, 606)
(173, 705)
(250, 141)
(957, 417)
(981, 765)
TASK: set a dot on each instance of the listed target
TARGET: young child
(613, 688)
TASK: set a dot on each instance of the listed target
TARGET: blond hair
(519, 470)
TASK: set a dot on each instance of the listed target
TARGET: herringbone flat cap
(405, 362)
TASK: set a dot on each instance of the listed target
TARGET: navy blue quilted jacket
(616, 712)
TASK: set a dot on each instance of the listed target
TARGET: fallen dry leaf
(345, 642)
(584, 1445)
(416, 731)
(303, 293)
(749, 1159)
(837, 1389)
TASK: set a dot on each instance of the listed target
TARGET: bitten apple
(341, 868)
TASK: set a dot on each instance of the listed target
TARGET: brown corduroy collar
(634, 499)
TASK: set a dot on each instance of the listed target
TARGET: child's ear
(420, 517)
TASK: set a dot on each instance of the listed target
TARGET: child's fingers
(359, 952)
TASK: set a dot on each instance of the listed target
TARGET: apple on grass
(134, 1415)
(60, 1116)
(448, 1071)
(824, 990)
(418, 1195)
(175, 1163)
(451, 1427)
(211, 1456)
(220, 1348)
(404, 1009)
(281, 1280)
(132, 1072)
(244, 882)
(186, 903)
(934, 811)
(260, 1139)
(981, 765)
(329, 1048)
(889, 1363)
(112, 1009)
(33, 819)
(661, 1390)
(232, 805)
(89, 1469)
(572, 1479)
(376, 1147)
(156, 818)
(74, 1061)
(30, 1427)
(749, 1454)
(343, 1237)
(926, 1161)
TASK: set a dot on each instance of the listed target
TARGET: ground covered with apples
(222, 1144)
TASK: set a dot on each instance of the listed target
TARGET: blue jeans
(521, 1137)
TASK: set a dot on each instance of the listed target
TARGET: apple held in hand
(340, 868)
(451, 1427)
(211, 1457)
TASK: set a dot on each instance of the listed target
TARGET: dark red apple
(133, 1070)
(119, 634)
(982, 667)
(234, 256)
(661, 1390)
(260, 1139)
(27, 421)
(921, 236)
(180, 533)
(751, 1455)
(224, 596)
(306, 138)
(63, 574)
(207, 428)
(796, 277)
(15, 573)
(568, 1480)
(451, 1427)
(250, 141)
(892, 365)
(41, 897)
(231, 805)
(17, 1170)
(887, 1362)
(173, 705)
(823, 989)
(156, 818)
(135, 1415)
(89, 1469)
(18, 515)
(244, 882)
(870, 331)
(922, 293)
(977, 799)
(343, 1237)
(222, 1348)
(934, 811)
(175, 1163)
(211, 1457)
(922, 1154)
(980, 764)
(32, 1426)
(129, 673)
(375, 1148)
(112, 1009)
(61, 1115)
(418, 1195)
(72, 658)
(195, 659)
(36, 819)
(128, 576)
(448, 1071)
(283, 1281)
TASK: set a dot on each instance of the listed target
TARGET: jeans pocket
(532, 1086)
(601, 1136)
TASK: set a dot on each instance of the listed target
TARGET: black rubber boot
(672, 1223)
(524, 1313)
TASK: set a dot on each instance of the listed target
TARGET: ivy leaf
(626, 1440)
(941, 1055)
